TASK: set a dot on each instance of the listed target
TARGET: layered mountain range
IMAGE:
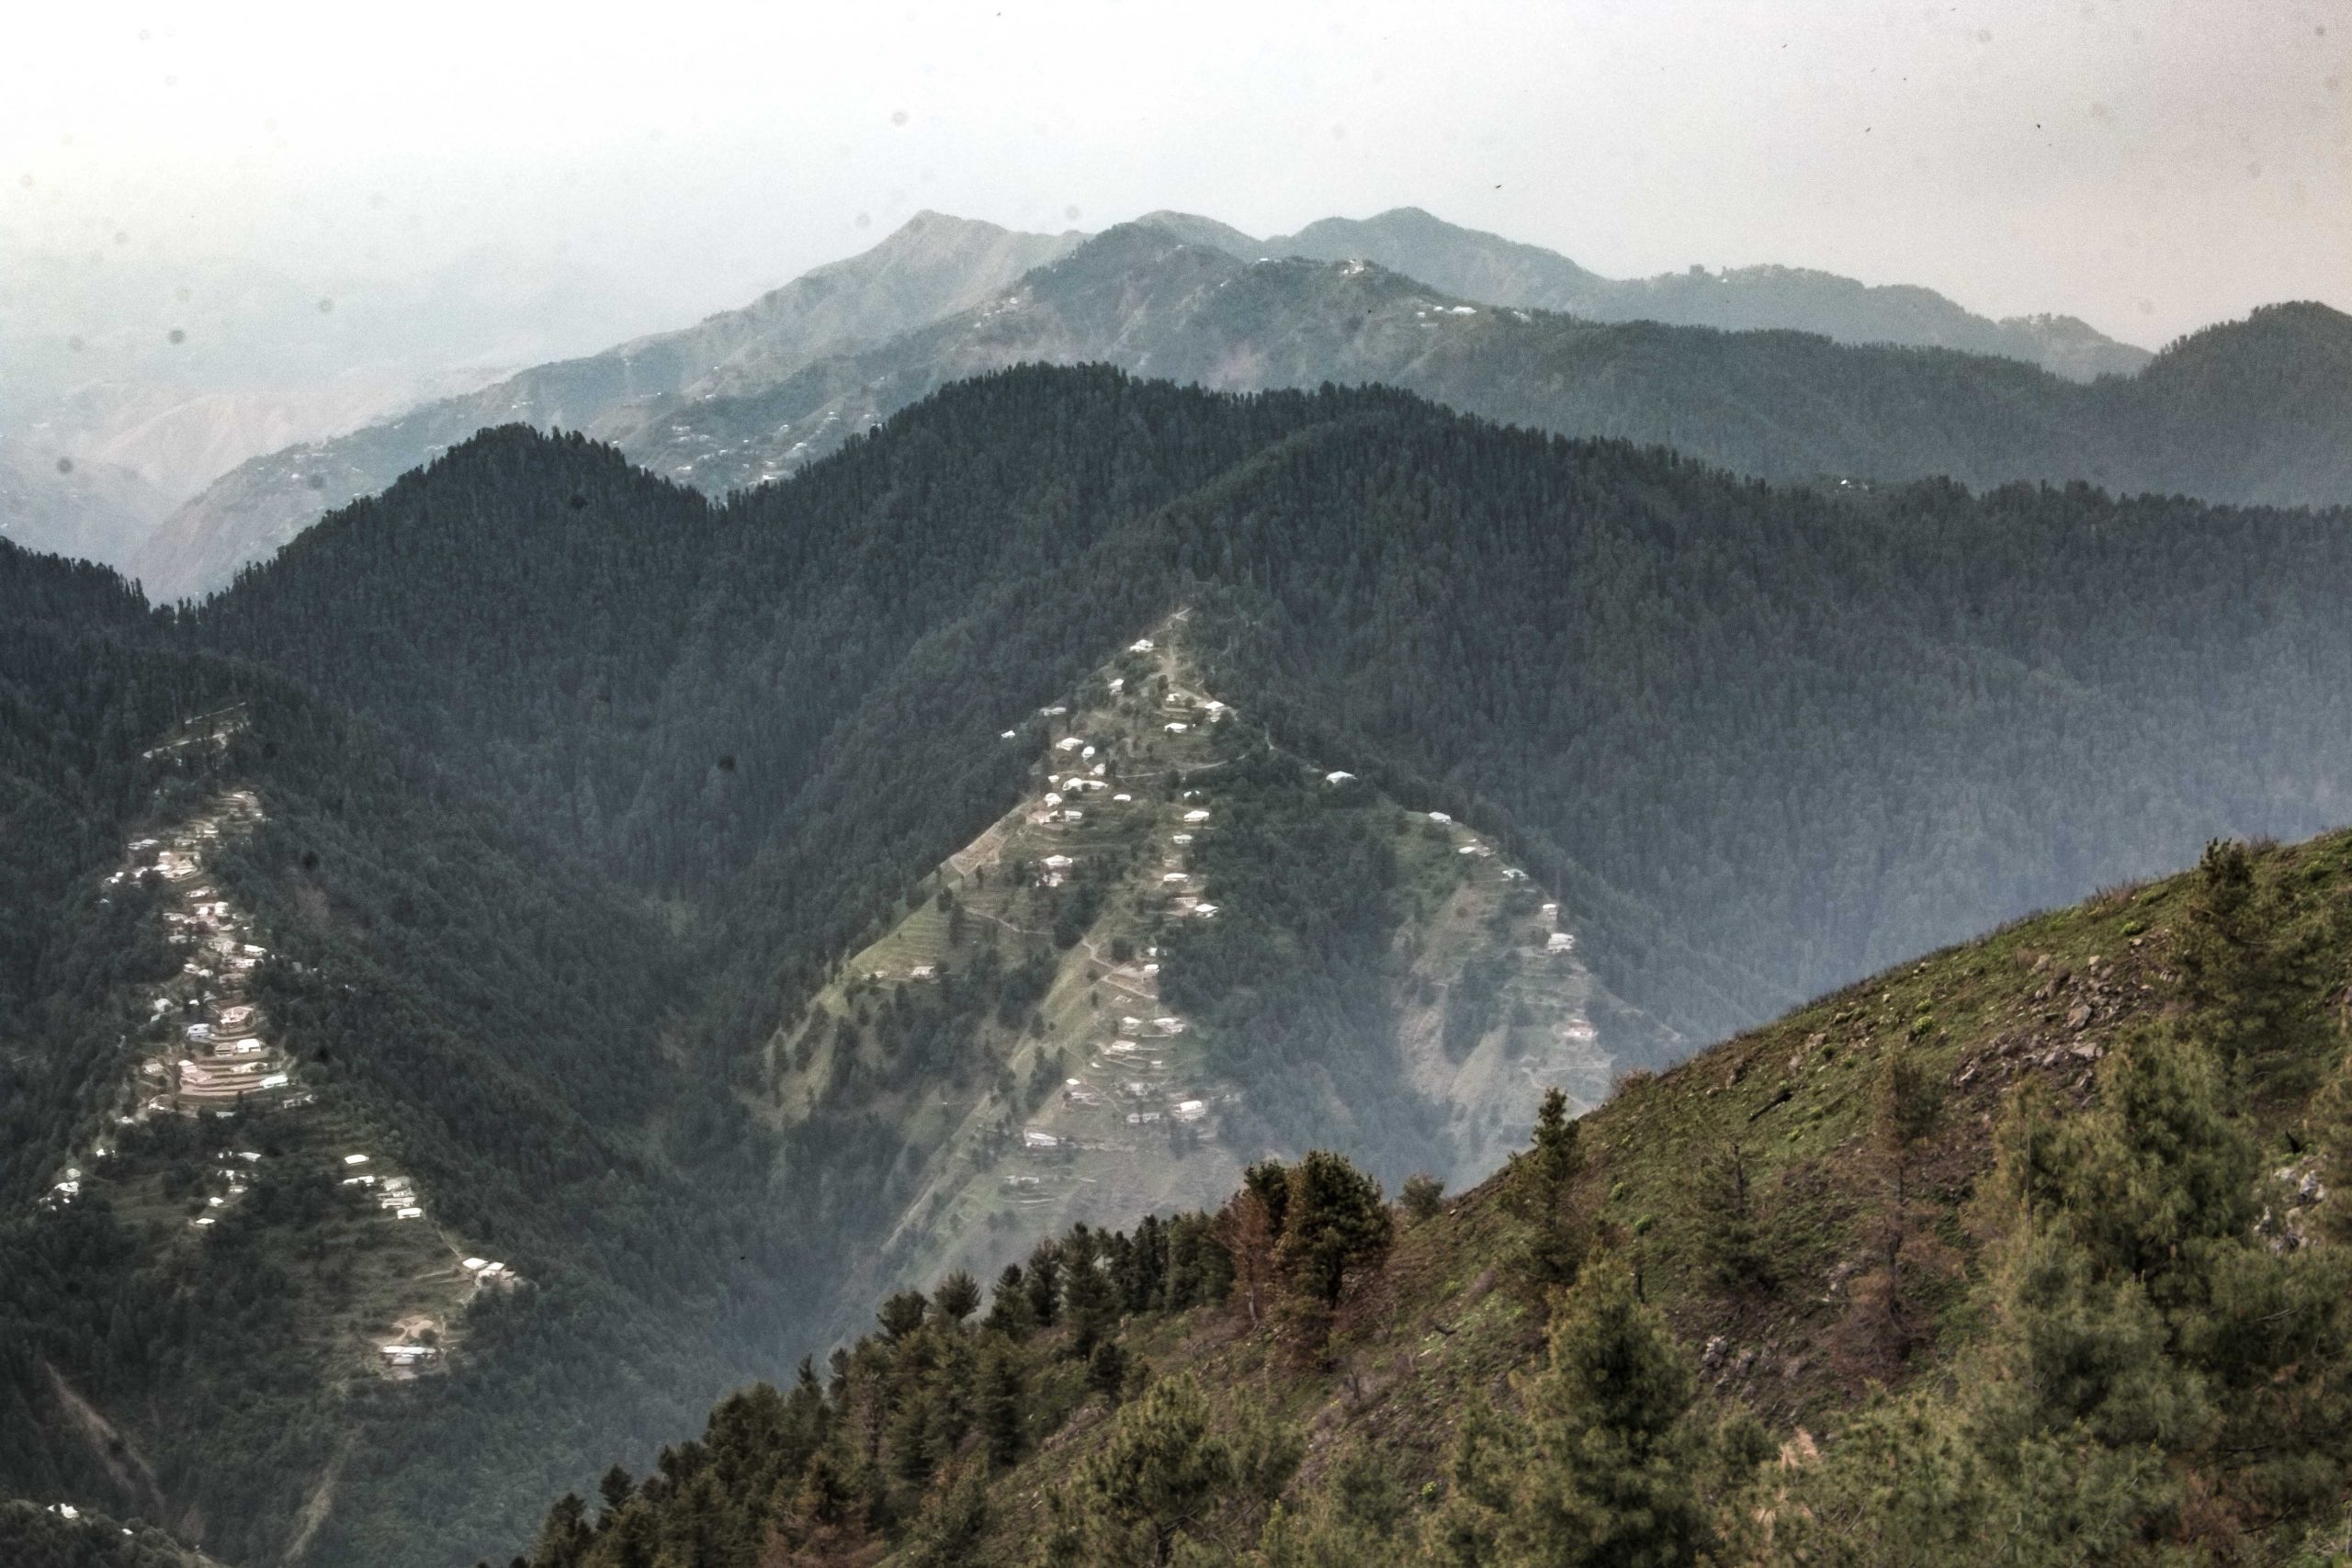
(2252, 412)
(598, 830)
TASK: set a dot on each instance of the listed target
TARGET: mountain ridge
(1487, 268)
(253, 509)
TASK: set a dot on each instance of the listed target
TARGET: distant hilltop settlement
(206, 1047)
(1129, 1080)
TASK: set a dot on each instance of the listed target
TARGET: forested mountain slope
(932, 266)
(2040, 1240)
(437, 988)
(1789, 734)
(2249, 412)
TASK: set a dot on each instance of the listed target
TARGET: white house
(1175, 726)
(1439, 817)
(1559, 941)
(1141, 645)
(1197, 816)
(1336, 776)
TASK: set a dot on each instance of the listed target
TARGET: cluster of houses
(404, 1357)
(487, 1274)
(207, 1051)
(225, 1062)
(396, 1195)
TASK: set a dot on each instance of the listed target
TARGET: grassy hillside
(2069, 1193)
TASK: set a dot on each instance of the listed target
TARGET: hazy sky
(2148, 166)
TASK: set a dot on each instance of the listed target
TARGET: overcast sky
(2150, 167)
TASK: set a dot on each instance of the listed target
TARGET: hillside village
(206, 1052)
(1110, 1103)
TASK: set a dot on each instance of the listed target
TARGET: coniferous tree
(1542, 1183)
(1606, 1469)
(1726, 1212)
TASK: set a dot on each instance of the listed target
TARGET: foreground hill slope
(2074, 1191)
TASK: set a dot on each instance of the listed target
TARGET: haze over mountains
(751, 396)
(156, 416)
(1495, 271)
(580, 792)
(154, 375)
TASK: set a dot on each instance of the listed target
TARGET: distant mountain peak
(1196, 229)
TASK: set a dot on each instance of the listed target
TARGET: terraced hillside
(211, 1108)
(1051, 1029)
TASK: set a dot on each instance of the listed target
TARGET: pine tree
(1904, 1102)
(565, 1538)
(1090, 1303)
(1541, 1185)
(1009, 1312)
(1044, 1283)
(956, 1298)
(1613, 1478)
(1335, 1224)
(1160, 1476)
(1722, 1209)
(1000, 1403)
